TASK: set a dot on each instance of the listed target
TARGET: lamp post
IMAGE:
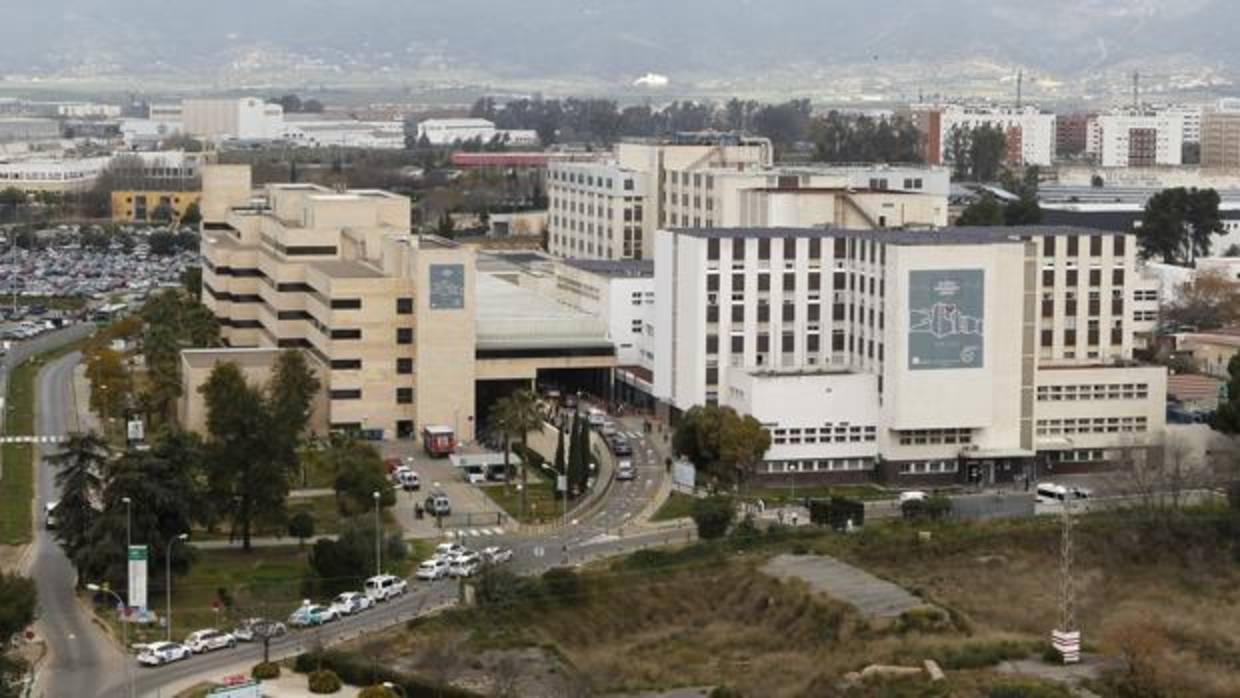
(168, 584)
(378, 537)
(128, 522)
(124, 629)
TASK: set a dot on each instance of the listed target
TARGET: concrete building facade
(1030, 132)
(839, 339)
(1137, 138)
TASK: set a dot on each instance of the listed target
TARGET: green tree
(191, 280)
(516, 415)
(359, 473)
(987, 151)
(241, 471)
(559, 463)
(111, 387)
(959, 152)
(985, 211)
(1178, 223)
(301, 527)
(193, 215)
(713, 516)
(290, 398)
(174, 321)
(722, 444)
(1227, 417)
(79, 468)
(342, 564)
(18, 600)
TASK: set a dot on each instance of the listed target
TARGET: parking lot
(471, 508)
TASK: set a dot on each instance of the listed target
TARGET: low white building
(345, 133)
(450, 131)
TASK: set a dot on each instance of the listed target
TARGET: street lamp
(124, 629)
(378, 538)
(393, 686)
(128, 522)
(168, 584)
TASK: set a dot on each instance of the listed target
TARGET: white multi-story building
(1030, 132)
(248, 118)
(79, 174)
(1138, 137)
(845, 344)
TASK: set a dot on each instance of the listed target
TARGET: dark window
(815, 248)
(837, 312)
(738, 344)
(764, 248)
(814, 312)
(1069, 337)
(351, 394)
(712, 313)
(738, 313)
(1069, 308)
(1117, 277)
(1048, 308)
(764, 343)
(788, 342)
(1073, 245)
(1048, 246)
(764, 282)
(712, 344)
(841, 248)
(712, 249)
(346, 364)
(764, 312)
(346, 304)
(738, 282)
(404, 366)
(812, 343)
(790, 282)
(293, 315)
(404, 396)
(815, 281)
(790, 249)
(308, 250)
(837, 341)
(789, 312)
(712, 282)
(346, 334)
(1048, 338)
(840, 282)
(404, 335)
(1095, 245)
(1120, 242)
(1071, 277)
(1048, 278)
(1095, 277)
(404, 306)
(712, 375)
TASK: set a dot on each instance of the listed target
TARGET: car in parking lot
(496, 555)
(310, 615)
(408, 480)
(465, 565)
(432, 569)
(160, 653)
(385, 586)
(351, 602)
(209, 640)
(438, 504)
(449, 550)
(255, 628)
(620, 446)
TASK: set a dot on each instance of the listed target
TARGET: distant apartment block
(1071, 134)
(1220, 135)
(1030, 132)
(1137, 137)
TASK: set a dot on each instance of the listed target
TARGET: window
(790, 282)
(1073, 245)
(404, 335)
(764, 248)
(346, 304)
(712, 249)
(1120, 242)
(346, 364)
(1048, 246)
(712, 343)
(346, 334)
(404, 306)
(404, 396)
(404, 366)
(345, 394)
(1095, 245)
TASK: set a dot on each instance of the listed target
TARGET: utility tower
(1136, 89)
(1067, 638)
(1020, 84)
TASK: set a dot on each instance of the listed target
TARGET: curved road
(80, 657)
(83, 662)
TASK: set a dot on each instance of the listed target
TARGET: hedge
(363, 671)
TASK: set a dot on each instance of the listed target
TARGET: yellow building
(141, 206)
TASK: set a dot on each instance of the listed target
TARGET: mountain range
(614, 41)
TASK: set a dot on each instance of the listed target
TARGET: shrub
(980, 655)
(562, 585)
(1027, 689)
(836, 512)
(359, 670)
(301, 526)
(713, 516)
(375, 692)
(932, 509)
(501, 588)
(265, 671)
(923, 620)
(325, 681)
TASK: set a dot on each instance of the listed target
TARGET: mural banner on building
(946, 319)
(447, 290)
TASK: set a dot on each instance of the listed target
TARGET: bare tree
(1163, 478)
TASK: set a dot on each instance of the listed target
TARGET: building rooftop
(346, 269)
(936, 236)
(617, 268)
(510, 316)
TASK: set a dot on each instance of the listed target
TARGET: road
(600, 534)
(80, 655)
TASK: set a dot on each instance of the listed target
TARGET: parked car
(496, 555)
(351, 602)
(209, 640)
(465, 565)
(913, 496)
(449, 550)
(49, 515)
(437, 504)
(385, 586)
(253, 628)
(608, 428)
(625, 470)
(160, 653)
(432, 569)
(620, 446)
(409, 480)
(312, 614)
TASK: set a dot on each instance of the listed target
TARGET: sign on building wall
(946, 319)
(447, 291)
(137, 576)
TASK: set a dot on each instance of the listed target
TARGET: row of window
(588, 179)
(920, 437)
(929, 467)
(1072, 244)
(826, 465)
(838, 434)
(404, 366)
(1091, 425)
(1079, 455)
(404, 396)
(1098, 391)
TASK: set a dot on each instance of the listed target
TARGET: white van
(49, 515)
(1050, 492)
(596, 417)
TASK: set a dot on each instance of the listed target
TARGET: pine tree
(559, 453)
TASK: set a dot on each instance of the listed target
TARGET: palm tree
(516, 416)
(80, 477)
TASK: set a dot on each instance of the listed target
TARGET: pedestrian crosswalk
(474, 532)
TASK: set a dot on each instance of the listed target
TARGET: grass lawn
(327, 520)
(771, 494)
(17, 480)
(677, 506)
(544, 505)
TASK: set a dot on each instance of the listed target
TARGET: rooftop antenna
(1020, 86)
(1066, 638)
(1136, 89)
